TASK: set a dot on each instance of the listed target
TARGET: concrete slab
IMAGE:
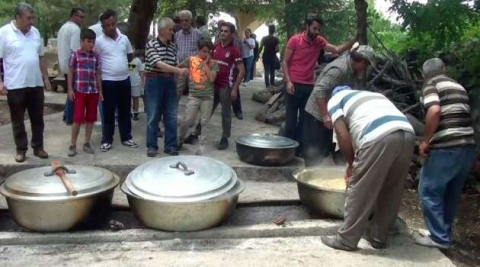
(286, 251)
(57, 136)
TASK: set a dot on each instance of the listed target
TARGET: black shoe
(223, 144)
(151, 153)
(333, 242)
(135, 116)
(239, 116)
(191, 140)
(171, 152)
(374, 242)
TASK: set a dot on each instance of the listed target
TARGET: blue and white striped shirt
(369, 116)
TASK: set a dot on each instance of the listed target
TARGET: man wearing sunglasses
(317, 128)
(69, 41)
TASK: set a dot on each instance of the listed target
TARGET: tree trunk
(361, 10)
(139, 20)
(288, 22)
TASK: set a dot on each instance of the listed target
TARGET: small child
(84, 89)
(137, 79)
(202, 73)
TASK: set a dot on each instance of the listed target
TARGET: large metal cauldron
(266, 149)
(322, 201)
(182, 193)
(38, 201)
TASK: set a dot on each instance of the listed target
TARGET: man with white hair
(26, 76)
(187, 42)
(160, 90)
(449, 148)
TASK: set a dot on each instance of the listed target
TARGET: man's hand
(3, 89)
(182, 72)
(327, 121)
(234, 94)
(290, 88)
(348, 174)
(71, 95)
(424, 148)
(46, 84)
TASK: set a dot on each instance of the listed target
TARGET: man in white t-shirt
(115, 52)
(68, 41)
(25, 69)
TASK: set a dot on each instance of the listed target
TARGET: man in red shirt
(299, 61)
(227, 55)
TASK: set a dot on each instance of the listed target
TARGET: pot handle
(183, 168)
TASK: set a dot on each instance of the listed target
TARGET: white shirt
(97, 28)
(20, 53)
(369, 116)
(113, 56)
(247, 51)
(68, 41)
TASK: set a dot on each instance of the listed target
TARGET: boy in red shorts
(84, 89)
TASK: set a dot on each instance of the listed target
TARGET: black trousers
(32, 100)
(317, 141)
(295, 113)
(269, 68)
(117, 97)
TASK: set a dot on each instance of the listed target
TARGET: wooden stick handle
(59, 170)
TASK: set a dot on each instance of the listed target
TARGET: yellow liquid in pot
(337, 183)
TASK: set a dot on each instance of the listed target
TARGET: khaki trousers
(376, 187)
(194, 105)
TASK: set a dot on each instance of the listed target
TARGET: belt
(158, 74)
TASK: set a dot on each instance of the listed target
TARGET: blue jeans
(161, 97)
(68, 111)
(248, 63)
(442, 178)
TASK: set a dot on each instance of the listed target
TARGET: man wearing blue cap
(377, 141)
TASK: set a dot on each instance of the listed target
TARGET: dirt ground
(5, 112)
(466, 230)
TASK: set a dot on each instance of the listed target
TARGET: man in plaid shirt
(187, 42)
(84, 77)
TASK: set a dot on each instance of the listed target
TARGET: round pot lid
(181, 179)
(40, 184)
(266, 140)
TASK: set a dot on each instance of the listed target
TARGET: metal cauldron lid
(266, 140)
(40, 184)
(181, 179)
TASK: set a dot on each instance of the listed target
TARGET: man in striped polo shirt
(160, 90)
(448, 146)
(377, 141)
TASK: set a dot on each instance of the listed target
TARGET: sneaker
(72, 151)
(200, 151)
(105, 147)
(151, 153)
(244, 84)
(88, 149)
(130, 143)
(135, 116)
(424, 232)
(98, 123)
(428, 242)
(223, 144)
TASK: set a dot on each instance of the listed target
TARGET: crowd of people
(375, 138)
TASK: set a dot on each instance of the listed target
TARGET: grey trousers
(223, 96)
(376, 187)
(194, 106)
